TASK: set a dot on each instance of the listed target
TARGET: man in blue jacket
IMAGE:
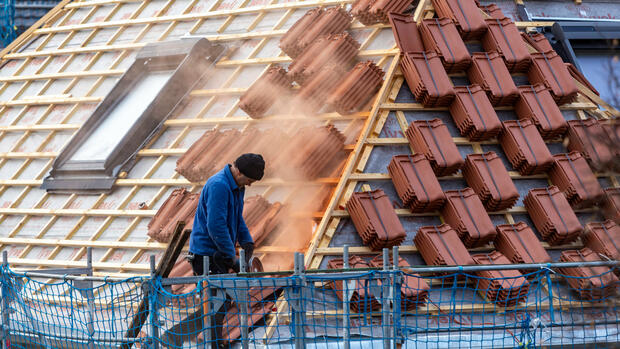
(218, 227)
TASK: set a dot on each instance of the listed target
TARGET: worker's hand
(224, 263)
(235, 267)
(249, 251)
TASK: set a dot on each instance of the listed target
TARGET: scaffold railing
(430, 307)
(7, 22)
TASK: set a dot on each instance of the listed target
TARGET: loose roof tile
(538, 41)
(549, 69)
(524, 147)
(406, 33)
(537, 104)
(197, 164)
(473, 114)
(427, 78)
(466, 214)
(375, 220)
(265, 91)
(179, 206)
(552, 215)
(261, 217)
(603, 237)
(361, 299)
(611, 204)
(505, 288)
(590, 139)
(358, 87)
(290, 41)
(487, 176)
(503, 37)
(414, 290)
(415, 183)
(440, 245)
(261, 301)
(493, 11)
(465, 13)
(519, 244)
(440, 35)
(314, 94)
(573, 176)
(377, 11)
(489, 71)
(591, 283)
(432, 138)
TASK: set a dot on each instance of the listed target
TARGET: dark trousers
(193, 324)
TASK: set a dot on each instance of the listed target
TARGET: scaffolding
(7, 25)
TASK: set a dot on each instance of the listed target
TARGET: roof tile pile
(493, 11)
(519, 244)
(503, 37)
(179, 206)
(613, 134)
(405, 30)
(538, 41)
(466, 214)
(524, 147)
(261, 303)
(440, 245)
(198, 162)
(591, 283)
(552, 215)
(590, 139)
(537, 104)
(361, 300)
(415, 183)
(603, 237)
(504, 287)
(611, 204)
(574, 177)
(264, 92)
(440, 35)
(414, 290)
(465, 13)
(473, 114)
(314, 94)
(334, 49)
(489, 71)
(357, 88)
(486, 174)
(432, 138)
(311, 26)
(375, 220)
(577, 75)
(549, 69)
(370, 12)
(261, 217)
(427, 79)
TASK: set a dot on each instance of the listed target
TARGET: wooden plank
(63, 75)
(83, 243)
(420, 107)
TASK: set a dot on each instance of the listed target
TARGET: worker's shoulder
(218, 181)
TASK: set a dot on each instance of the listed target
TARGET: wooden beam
(83, 243)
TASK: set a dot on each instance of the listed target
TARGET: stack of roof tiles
(538, 41)
(406, 33)
(261, 217)
(537, 104)
(549, 69)
(261, 301)
(577, 75)
(432, 138)
(465, 13)
(504, 287)
(427, 79)
(334, 49)
(440, 35)
(264, 92)
(314, 94)
(612, 129)
(611, 204)
(375, 220)
(357, 88)
(414, 290)
(179, 206)
(503, 37)
(370, 12)
(486, 174)
(574, 177)
(604, 238)
(466, 214)
(440, 245)
(552, 215)
(198, 162)
(590, 139)
(473, 114)
(489, 71)
(591, 283)
(493, 10)
(415, 183)
(361, 300)
(519, 244)
(311, 26)
(524, 147)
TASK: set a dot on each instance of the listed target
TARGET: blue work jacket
(219, 224)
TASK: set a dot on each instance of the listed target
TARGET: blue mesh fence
(431, 308)
(7, 22)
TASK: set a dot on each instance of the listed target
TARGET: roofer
(218, 227)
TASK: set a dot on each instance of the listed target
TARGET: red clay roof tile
(414, 290)
(427, 79)
(603, 237)
(549, 69)
(524, 147)
(591, 283)
(611, 204)
(504, 287)
(432, 138)
(264, 92)
(577, 75)
(314, 94)
(261, 217)
(519, 244)
(465, 13)
(406, 33)
(473, 114)
(415, 183)
(377, 11)
(440, 35)
(361, 299)
(537, 104)
(179, 206)
(590, 139)
(440, 245)
(197, 164)
(493, 11)
(538, 41)
(289, 43)
(552, 215)
(573, 176)
(487, 176)
(503, 37)
(358, 87)
(466, 214)
(489, 71)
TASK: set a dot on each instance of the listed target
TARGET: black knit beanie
(251, 165)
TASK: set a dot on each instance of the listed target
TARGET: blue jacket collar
(229, 177)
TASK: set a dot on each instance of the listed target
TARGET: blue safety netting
(7, 25)
(373, 308)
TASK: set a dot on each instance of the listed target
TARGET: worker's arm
(217, 219)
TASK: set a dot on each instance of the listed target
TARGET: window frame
(184, 57)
